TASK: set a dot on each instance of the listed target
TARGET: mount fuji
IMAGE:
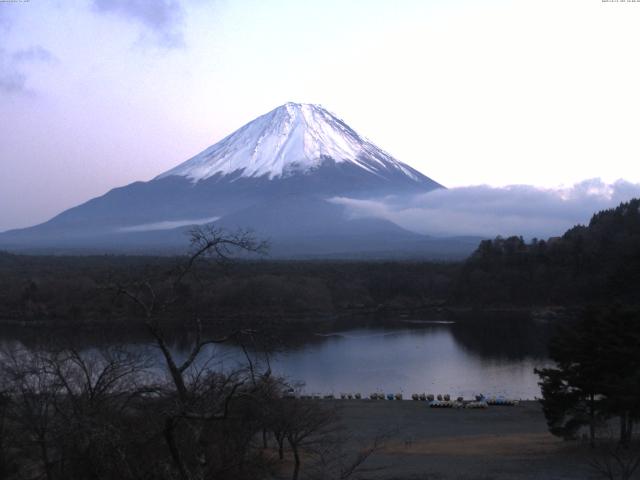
(276, 175)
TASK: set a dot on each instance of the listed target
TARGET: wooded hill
(597, 263)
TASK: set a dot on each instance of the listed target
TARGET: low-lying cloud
(490, 211)
(167, 225)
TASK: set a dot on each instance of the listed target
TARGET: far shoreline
(346, 317)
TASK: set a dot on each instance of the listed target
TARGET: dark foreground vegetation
(597, 375)
(108, 415)
(111, 414)
(593, 391)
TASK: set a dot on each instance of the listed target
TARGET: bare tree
(100, 397)
(206, 241)
(201, 395)
(616, 462)
(307, 423)
(34, 392)
(335, 458)
(70, 410)
(8, 444)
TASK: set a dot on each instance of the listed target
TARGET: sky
(497, 95)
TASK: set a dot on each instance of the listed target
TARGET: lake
(489, 355)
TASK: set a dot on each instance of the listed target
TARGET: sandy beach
(495, 443)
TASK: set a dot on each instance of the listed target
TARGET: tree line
(596, 263)
(70, 290)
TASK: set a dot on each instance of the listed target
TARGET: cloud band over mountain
(490, 211)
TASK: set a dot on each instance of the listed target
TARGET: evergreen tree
(597, 374)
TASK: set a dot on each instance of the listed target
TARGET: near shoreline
(498, 443)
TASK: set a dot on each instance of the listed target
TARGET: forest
(73, 290)
(595, 263)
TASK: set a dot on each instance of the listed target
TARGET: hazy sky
(99, 93)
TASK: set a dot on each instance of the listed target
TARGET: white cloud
(490, 211)
(167, 225)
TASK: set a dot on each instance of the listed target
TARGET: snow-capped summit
(293, 138)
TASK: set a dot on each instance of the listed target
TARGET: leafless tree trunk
(616, 462)
(296, 459)
(190, 391)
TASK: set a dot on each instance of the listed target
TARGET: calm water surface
(494, 357)
(409, 361)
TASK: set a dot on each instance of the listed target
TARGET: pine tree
(597, 374)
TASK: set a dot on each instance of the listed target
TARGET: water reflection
(412, 360)
(460, 356)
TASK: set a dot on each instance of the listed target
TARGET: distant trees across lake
(597, 263)
(49, 289)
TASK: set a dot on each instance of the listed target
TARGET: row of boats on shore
(434, 401)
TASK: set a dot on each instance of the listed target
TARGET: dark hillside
(598, 263)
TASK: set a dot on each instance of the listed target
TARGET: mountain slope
(274, 175)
